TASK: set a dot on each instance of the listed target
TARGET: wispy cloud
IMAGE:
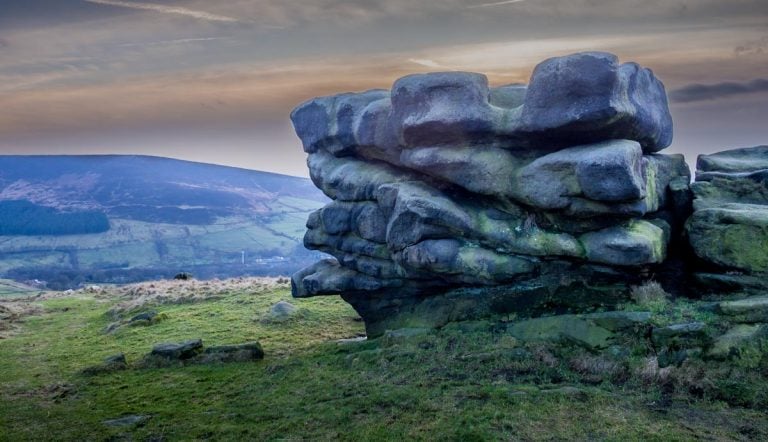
(201, 15)
(426, 62)
(488, 5)
(754, 47)
(704, 92)
(173, 42)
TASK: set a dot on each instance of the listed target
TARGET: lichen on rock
(444, 185)
(728, 230)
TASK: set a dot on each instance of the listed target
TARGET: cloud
(173, 42)
(755, 47)
(425, 62)
(488, 5)
(704, 92)
(83, 95)
(201, 15)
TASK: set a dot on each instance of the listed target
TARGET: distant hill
(117, 218)
(11, 289)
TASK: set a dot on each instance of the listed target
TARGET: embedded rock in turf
(456, 201)
(250, 351)
(180, 351)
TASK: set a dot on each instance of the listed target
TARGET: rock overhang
(443, 182)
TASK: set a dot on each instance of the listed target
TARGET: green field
(465, 382)
(230, 246)
(141, 244)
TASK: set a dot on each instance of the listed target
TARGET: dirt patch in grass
(135, 297)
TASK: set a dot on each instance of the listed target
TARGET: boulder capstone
(454, 200)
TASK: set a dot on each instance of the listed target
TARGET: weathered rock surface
(144, 317)
(112, 363)
(591, 97)
(192, 352)
(692, 334)
(180, 351)
(593, 331)
(754, 309)
(282, 310)
(728, 230)
(676, 343)
(250, 351)
(454, 200)
(737, 341)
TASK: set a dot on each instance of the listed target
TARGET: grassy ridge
(12, 289)
(462, 383)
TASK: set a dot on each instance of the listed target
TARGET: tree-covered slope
(72, 219)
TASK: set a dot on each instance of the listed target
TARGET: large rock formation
(728, 230)
(453, 200)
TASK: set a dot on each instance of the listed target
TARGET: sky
(215, 81)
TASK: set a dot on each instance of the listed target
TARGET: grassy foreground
(465, 382)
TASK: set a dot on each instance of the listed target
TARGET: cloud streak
(177, 10)
(173, 42)
(706, 92)
(425, 62)
(488, 5)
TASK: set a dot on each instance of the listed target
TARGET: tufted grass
(465, 382)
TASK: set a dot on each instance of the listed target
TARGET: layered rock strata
(728, 230)
(453, 200)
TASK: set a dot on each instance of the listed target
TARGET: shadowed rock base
(566, 289)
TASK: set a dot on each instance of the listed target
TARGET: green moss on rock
(637, 242)
(563, 328)
(734, 236)
(742, 342)
(745, 310)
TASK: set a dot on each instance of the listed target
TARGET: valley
(163, 216)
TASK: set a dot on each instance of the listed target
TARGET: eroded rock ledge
(728, 230)
(453, 200)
